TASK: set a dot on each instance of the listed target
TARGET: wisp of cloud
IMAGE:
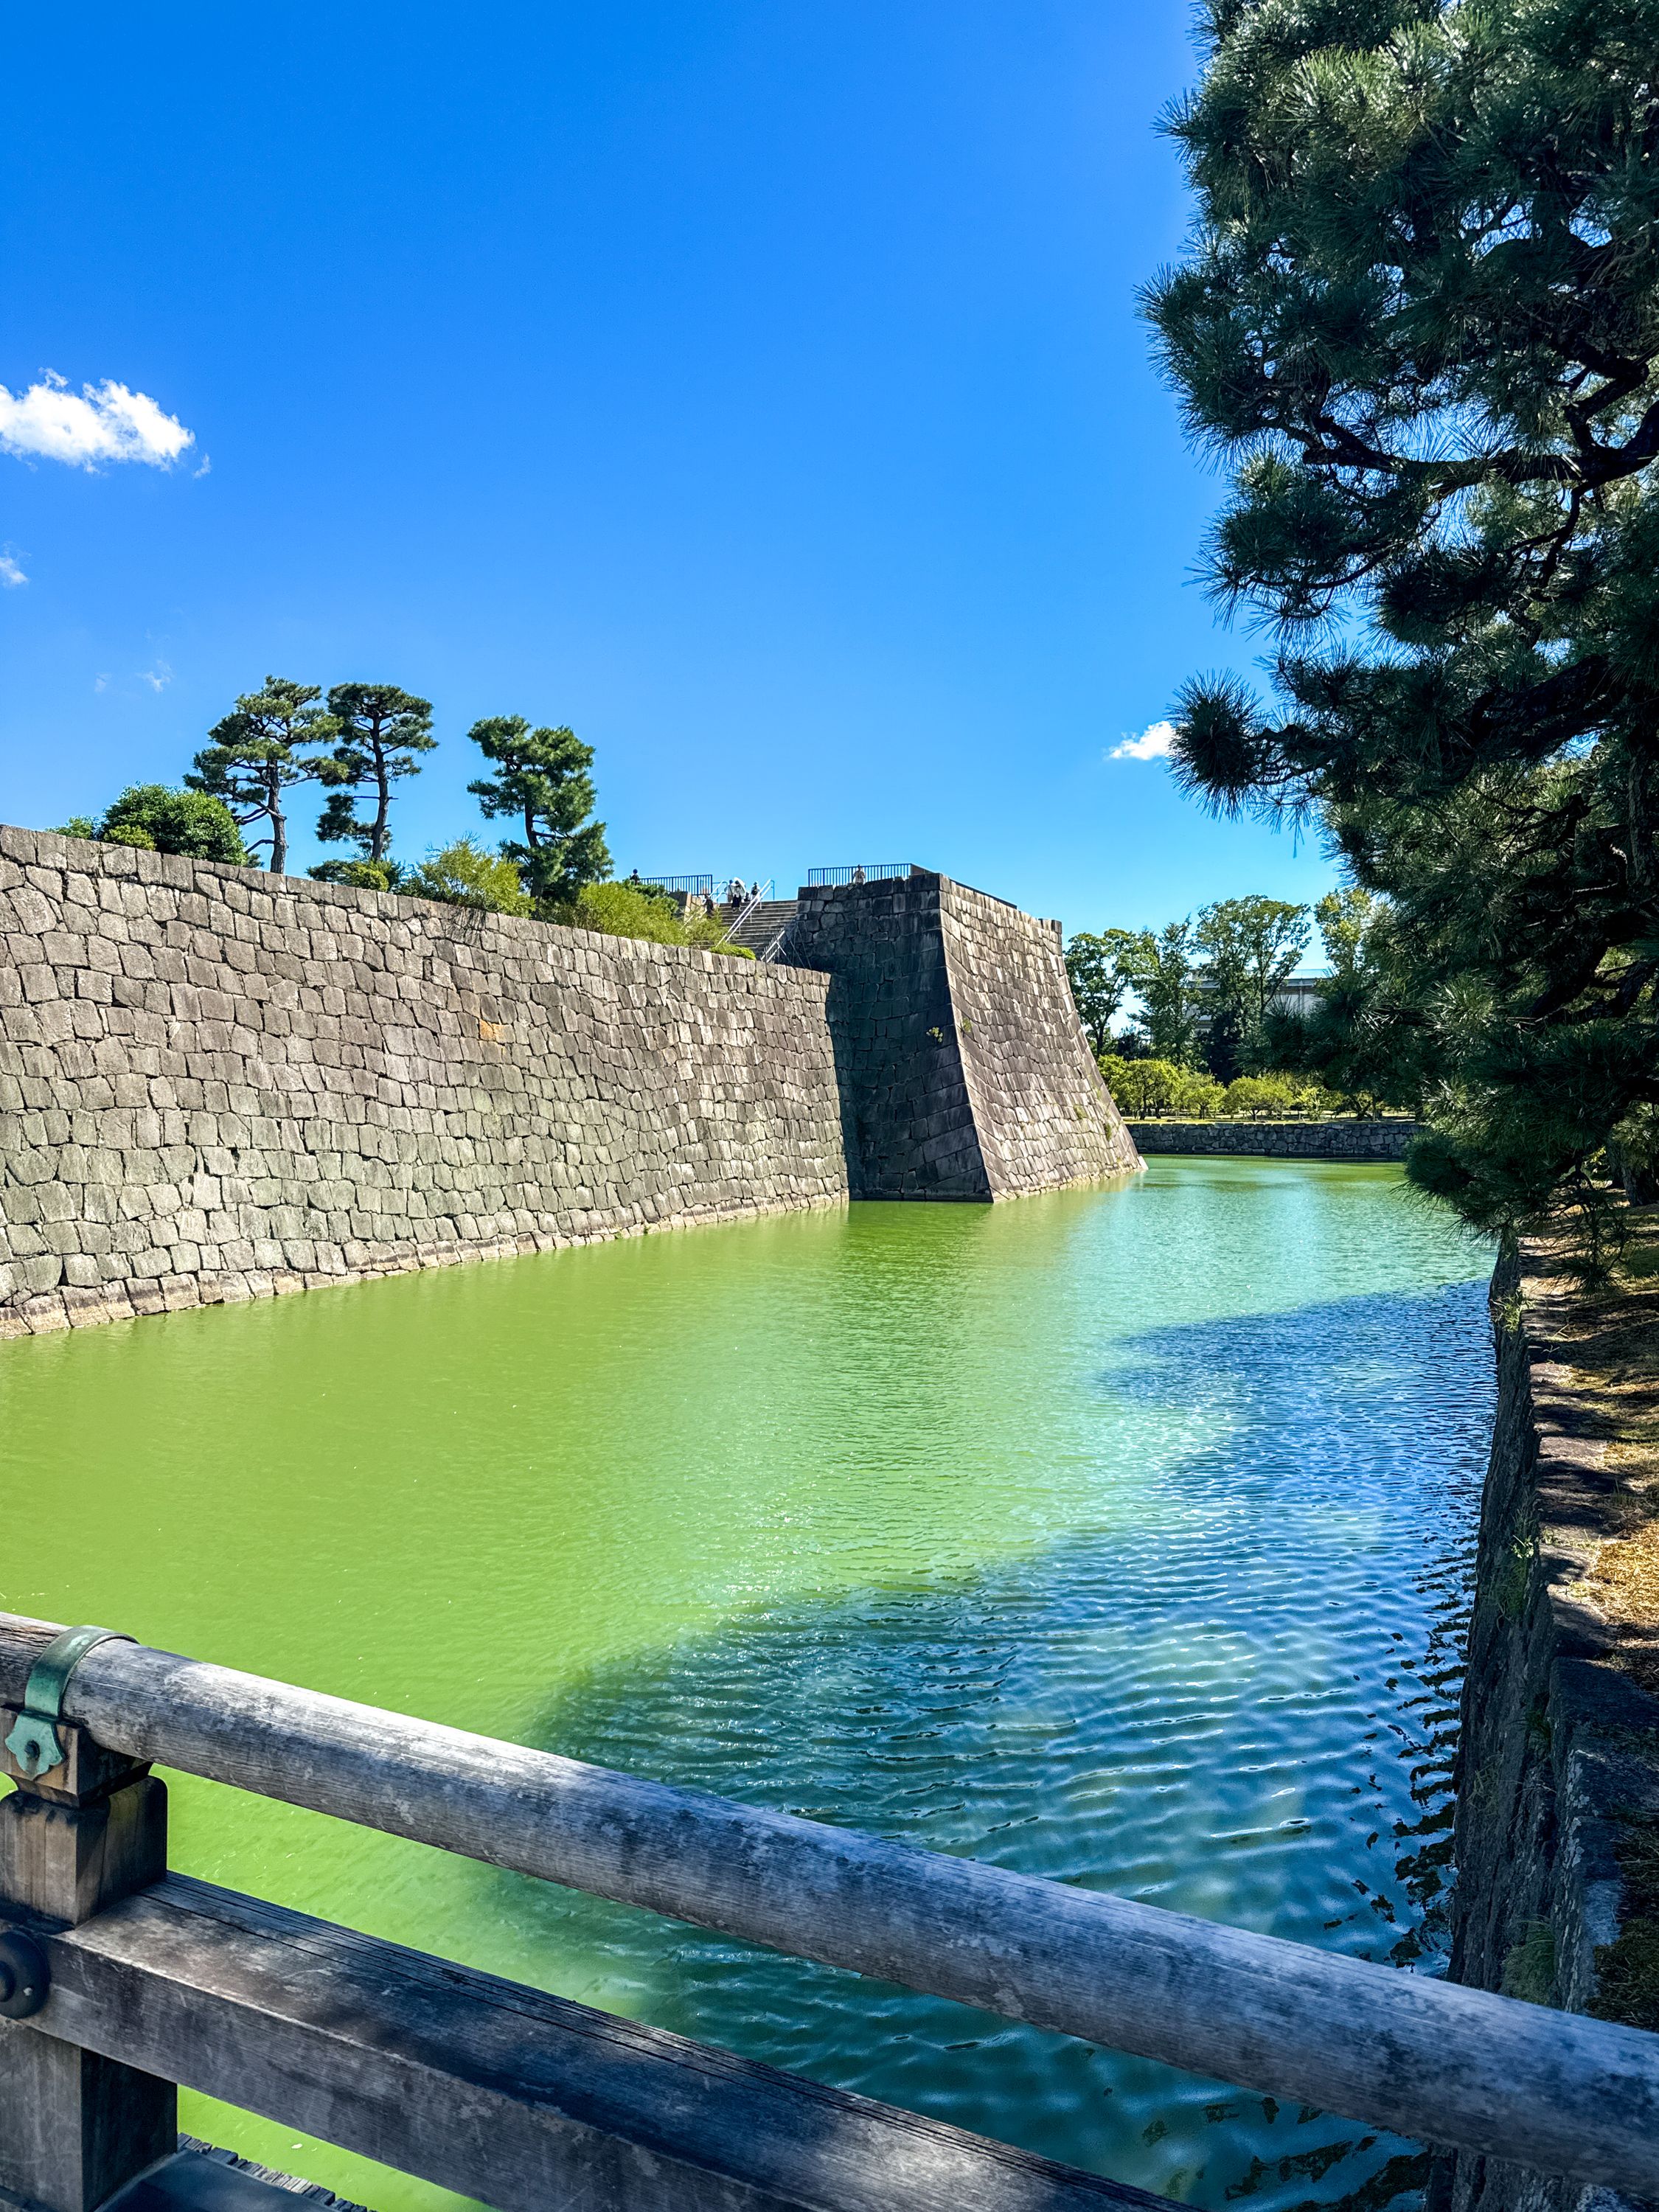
(1155, 743)
(104, 422)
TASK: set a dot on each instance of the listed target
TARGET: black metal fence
(862, 872)
(686, 884)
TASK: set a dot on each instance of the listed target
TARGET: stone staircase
(759, 928)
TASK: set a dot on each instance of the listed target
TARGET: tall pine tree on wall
(1419, 321)
(257, 752)
(382, 733)
(543, 782)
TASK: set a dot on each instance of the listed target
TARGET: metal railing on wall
(862, 872)
(522, 2099)
(689, 885)
(744, 908)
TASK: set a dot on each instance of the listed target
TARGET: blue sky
(756, 386)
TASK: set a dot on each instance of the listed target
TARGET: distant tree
(382, 730)
(1361, 1039)
(1163, 971)
(1250, 946)
(256, 754)
(1280, 1091)
(1155, 1087)
(158, 820)
(1346, 919)
(1094, 965)
(542, 780)
(463, 874)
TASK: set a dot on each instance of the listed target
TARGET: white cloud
(104, 421)
(158, 677)
(1155, 743)
(100, 682)
(10, 574)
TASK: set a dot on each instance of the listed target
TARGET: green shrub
(154, 819)
(1276, 1094)
(707, 931)
(625, 911)
(631, 910)
(1140, 1087)
(463, 874)
(1249, 1095)
(360, 875)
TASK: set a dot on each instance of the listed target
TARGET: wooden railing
(525, 2102)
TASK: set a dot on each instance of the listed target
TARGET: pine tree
(542, 780)
(1420, 321)
(255, 755)
(382, 730)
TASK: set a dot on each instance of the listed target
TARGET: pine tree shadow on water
(1236, 1695)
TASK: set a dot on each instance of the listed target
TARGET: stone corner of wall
(1558, 1824)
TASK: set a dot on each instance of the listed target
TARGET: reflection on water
(1122, 1537)
(1238, 1704)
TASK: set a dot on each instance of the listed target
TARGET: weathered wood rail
(525, 2100)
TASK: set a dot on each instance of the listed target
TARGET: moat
(1122, 1536)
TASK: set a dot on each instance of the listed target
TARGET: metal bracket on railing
(34, 1743)
(25, 1976)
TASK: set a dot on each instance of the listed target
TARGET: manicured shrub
(158, 820)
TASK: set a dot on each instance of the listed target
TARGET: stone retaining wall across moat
(1282, 1140)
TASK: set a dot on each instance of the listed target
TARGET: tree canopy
(382, 730)
(1099, 986)
(156, 819)
(257, 751)
(543, 779)
(1250, 946)
(1419, 322)
(1163, 970)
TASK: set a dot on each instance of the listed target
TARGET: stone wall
(1557, 1799)
(214, 1084)
(965, 1071)
(1282, 1140)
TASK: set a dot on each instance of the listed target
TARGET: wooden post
(74, 2126)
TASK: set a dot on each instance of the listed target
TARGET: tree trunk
(278, 819)
(1641, 1185)
(379, 836)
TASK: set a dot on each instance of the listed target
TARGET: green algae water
(1122, 1536)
